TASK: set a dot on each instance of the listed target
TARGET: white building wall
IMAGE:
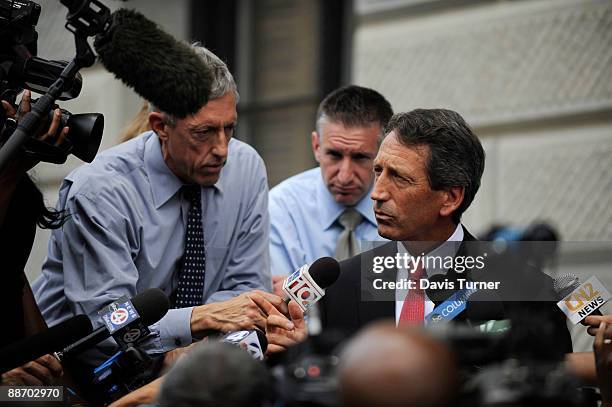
(534, 79)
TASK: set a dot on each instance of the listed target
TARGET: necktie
(347, 245)
(413, 310)
(190, 289)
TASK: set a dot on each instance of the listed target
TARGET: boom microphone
(307, 285)
(151, 305)
(49, 341)
(164, 71)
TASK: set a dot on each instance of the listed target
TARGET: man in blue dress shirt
(129, 216)
(326, 211)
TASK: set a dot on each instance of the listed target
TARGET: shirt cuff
(172, 331)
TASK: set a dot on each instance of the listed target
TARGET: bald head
(389, 366)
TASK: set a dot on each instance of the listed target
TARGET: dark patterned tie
(190, 289)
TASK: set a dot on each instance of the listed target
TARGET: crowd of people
(182, 205)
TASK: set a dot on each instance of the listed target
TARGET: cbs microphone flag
(584, 300)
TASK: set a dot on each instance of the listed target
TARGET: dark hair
(355, 106)
(33, 205)
(456, 157)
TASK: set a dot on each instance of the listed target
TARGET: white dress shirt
(402, 273)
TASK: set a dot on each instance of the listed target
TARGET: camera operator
(22, 208)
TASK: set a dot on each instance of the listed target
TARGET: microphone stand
(83, 21)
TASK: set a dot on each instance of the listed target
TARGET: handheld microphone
(307, 285)
(438, 295)
(479, 305)
(126, 324)
(49, 341)
(164, 71)
(583, 299)
(253, 341)
(565, 284)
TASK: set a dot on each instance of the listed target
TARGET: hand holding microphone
(282, 332)
(244, 312)
(594, 321)
(307, 285)
(302, 290)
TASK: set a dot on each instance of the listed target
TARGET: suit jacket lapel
(374, 310)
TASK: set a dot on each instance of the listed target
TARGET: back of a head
(216, 374)
(388, 366)
(354, 106)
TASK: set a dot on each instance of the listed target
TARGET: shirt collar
(444, 250)
(330, 210)
(164, 183)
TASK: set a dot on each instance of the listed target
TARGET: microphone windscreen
(565, 284)
(438, 295)
(162, 70)
(324, 271)
(151, 305)
(49, 341)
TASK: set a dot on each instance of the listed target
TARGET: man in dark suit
(427, 173)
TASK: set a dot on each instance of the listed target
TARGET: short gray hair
(222, 79)
(214, 374)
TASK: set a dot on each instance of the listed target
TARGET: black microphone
(436, 294)
(307, 285)
(565, 284)
(49, 341)
(151, 306)
(164, 71)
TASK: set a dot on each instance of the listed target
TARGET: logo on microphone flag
(584, 300)
(301, 288)
(118, 314)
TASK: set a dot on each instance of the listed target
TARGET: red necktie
(413, 309)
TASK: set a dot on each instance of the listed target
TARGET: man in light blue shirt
(128, 219)
(325, 211)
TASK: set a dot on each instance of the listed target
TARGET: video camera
(21, 69)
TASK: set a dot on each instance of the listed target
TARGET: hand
(277, 285)
(146, 394)
(593, 322)
(246, 311)
(283, 333)
(42, 133)
(171, 357)
(44, 371)
(602, 348)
